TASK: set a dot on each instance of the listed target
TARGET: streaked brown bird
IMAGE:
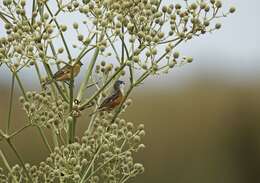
(113, 100)
(66, 73)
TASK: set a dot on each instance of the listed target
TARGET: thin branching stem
(33, 10)
(100, 167)
(10, 104)
(88, 75)
(20, 159)
(114, 49)
(7, 166)
(20, 85)
(61, 33)
(90, 165)
(72, 124)
(44, 138)
(19, 131)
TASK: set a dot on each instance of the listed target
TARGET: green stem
(61, 34)
(3, 135)
(3, 17)
(122, 46)
(114, 49)
(84, 51)
(90, 165)
(54, 138)
(87, 75)
(61, 138)
(18, 131)
(10, 105)
(72, 131)
(44, 139)
(7, 166)
(20, 159)
(101, 166)
(38, 73)
(94, 115)
(33, 9)
(143, 77)
(20, 85)
(72, 125)
(126, 179)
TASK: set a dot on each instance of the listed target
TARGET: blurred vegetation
(204, 132)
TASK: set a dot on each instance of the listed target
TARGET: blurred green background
(202, 131)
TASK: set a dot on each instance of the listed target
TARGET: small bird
(113, 100)
(66, 73)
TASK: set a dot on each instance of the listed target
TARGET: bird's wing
(109, 100)
(65, 69)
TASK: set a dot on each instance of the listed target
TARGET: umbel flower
(99, 156)
(127, 40)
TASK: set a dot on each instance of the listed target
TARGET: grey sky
(231, 53)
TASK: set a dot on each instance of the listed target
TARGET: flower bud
(218, 25)
(189, 59)
(75, 25)
(176, 54)
(232, 9)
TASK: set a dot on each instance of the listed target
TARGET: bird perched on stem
(113, 100)
(66, 73)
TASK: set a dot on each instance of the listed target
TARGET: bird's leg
(69, 84)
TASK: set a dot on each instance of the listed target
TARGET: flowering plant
(128, 40)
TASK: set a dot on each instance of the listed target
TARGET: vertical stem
(94, 115)
(98, 168)
(44, 139)
(122, 47)
(7, 165)
(72, 124)
(20, 159)
(61, 34)
(54, 138)
(20, 84)
(88, 74)
(61, 138)
(33, 9)
(10, 104)
(72, 130)
(90, 165)
(38, 71)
